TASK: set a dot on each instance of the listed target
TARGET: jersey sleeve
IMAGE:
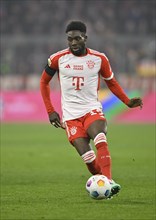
(113, 85)
(52, 66)
(45, 91)
(106, 70)
(47, 74)
(53, 61)
(117, 90)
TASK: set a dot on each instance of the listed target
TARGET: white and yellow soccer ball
(98, 187)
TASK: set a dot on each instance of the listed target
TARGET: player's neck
(83, 53)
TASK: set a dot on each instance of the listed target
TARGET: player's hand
(135, 102)
(54, 119)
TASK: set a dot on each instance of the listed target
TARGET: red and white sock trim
(89, 156)
(101, 137)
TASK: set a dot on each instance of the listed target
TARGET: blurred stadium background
(31, 30)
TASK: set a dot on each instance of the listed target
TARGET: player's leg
(97, 131)
(79, 139)
(87, 154)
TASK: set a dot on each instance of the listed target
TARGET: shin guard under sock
(90, 160)
(103, 155)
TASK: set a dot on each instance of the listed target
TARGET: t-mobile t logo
(78, 82)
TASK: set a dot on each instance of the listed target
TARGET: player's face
(76, 42)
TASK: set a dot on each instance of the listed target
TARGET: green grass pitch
(42, 176)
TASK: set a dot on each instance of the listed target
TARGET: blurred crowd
(102, 16)
(31, 30)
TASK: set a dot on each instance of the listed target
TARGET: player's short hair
(76, 25)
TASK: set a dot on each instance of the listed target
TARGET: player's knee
(88, 157)
(101, 137)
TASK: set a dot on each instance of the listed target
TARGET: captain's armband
(49, 70)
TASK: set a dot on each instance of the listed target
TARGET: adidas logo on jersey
(67, 66)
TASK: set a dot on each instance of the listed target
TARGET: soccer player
(79, 70)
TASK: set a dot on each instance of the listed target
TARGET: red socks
(101, 164)
(90, 160)
(103, 155)
(93, 167)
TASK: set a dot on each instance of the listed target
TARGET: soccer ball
(98, 187)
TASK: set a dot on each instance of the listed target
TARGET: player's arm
(46, 77)
(115, 88)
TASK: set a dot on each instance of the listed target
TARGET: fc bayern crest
(73, 130)
(90, 64)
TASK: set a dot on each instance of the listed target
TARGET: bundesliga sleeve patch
(49, 62)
